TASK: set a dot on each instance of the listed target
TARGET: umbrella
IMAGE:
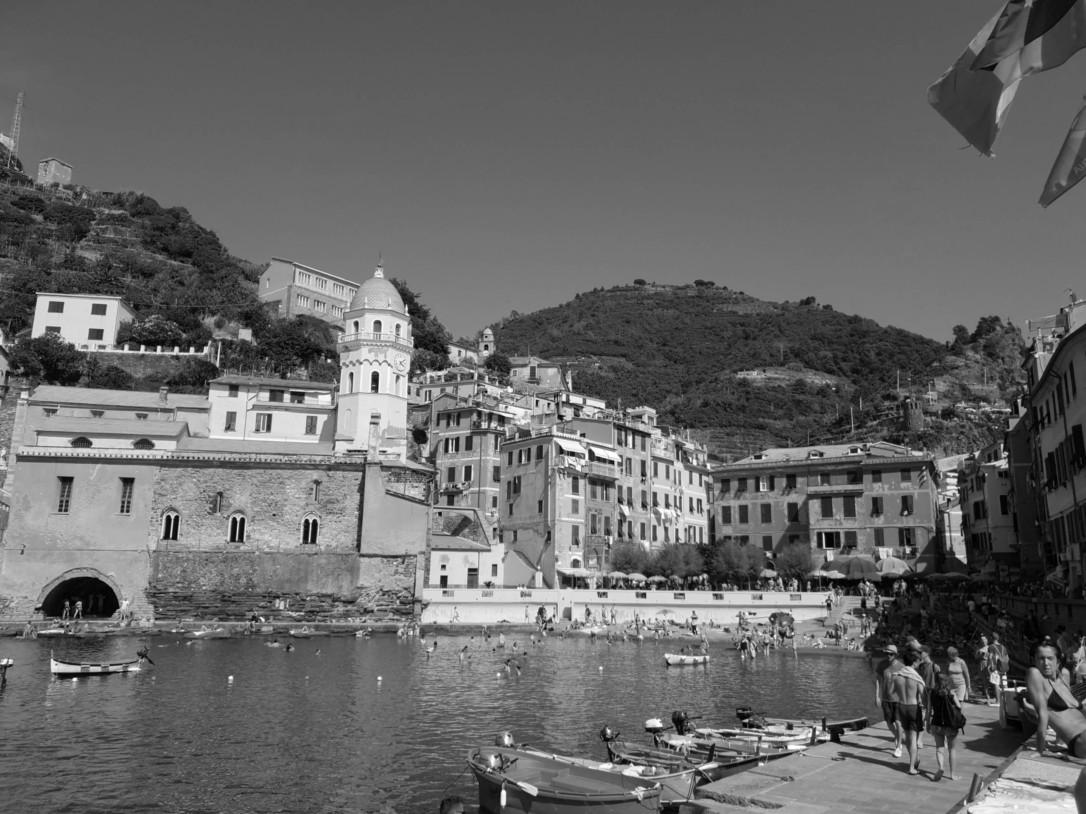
(768, 573)
(782, 618)
(636, 577)
(656, 579)
(953, 576)
(833, 575)
(618, 575)
(893, 566)
(854, 568)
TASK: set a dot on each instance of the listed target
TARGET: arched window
(377, 326)
(356, 326)
(310, 529)
(171, 525)
(81, 442)
(350, 382)
(375, 382)
(237, 528)
(143, 443)
(316, 491)
(397, 329)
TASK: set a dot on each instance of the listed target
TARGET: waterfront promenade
(860, 774)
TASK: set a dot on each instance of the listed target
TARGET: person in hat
(890, 666)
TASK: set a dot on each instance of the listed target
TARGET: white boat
(88, 668)
(684, 660)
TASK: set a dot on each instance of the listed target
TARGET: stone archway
(100, 594)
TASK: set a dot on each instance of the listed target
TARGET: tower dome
(377, 292)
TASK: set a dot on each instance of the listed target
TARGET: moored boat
(684, 660)
(85, 668)
(208, 633)
(833, 729)
(515, 780)
(305, 632)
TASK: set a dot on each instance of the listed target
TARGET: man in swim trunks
(884, 674)
(910, 691)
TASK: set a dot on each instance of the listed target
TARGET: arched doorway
(97, 591)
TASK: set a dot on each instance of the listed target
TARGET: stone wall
(7, 416)
(160, 366)
(232, 585)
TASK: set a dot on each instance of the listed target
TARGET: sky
(506, 156)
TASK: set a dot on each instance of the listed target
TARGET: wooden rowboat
(683, 660)
(208, 633)
(512, 780)
(90, 668)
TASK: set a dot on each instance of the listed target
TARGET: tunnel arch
(100, 593)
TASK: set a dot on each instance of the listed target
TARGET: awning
(606, 454)
(571, 447)
(574, 572)
(623, 509)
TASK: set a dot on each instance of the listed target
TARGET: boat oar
(527, 788)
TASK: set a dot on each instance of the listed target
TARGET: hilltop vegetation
(183, 285)
(747, 372)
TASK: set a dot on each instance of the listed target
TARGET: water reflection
(366, 726)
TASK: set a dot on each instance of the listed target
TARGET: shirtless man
(884, 674)
(910, 692)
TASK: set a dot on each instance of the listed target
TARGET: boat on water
(305, 632)
(833, 728)
(677, 777)
(536, 783)
(684, 660)
(208, 633)
(87, 668)
(769, 741)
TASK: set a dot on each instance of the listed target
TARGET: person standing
(997, 663)
(66, 610)
(957, 672)
(78, 609)
(909, 691)
(884, 674)
(943, 724)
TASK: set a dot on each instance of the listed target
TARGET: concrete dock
(860, 774)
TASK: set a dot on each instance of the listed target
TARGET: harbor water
(365, 725)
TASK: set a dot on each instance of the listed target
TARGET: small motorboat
(515, 780)
(677, 777)
(685, 660)
(833, 729)
(91, 668)
(54, 632)
(305, 632)
(208, 633)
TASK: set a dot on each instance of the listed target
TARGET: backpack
(946, 713)
(1001, 660)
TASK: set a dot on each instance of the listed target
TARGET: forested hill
(749, 373)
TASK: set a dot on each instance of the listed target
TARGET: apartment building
(873, 499)
(292, 288)
(984, 489)
(88, 321)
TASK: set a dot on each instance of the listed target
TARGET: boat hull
(218, 633)
(68, 668)
(680, 660)
(537, 784)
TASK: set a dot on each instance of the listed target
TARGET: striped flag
(1070, 166)
(1043, 33)
(975, 103)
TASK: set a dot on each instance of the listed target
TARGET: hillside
(749, 373)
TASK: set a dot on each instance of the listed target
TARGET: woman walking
(946, 710)
(958, 674)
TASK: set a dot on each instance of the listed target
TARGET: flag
(1070, 166)
(1044, 34)
(975, 103)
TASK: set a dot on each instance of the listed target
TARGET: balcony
(600, 469)
(368, 338)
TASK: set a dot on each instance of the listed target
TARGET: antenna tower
(16, 122)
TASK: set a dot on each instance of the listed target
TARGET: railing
(369, 336)
(601, 469)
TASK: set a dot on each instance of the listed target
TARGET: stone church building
(265, 492)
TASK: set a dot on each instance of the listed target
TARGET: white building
(292, 288)
(258, 409)
(88, 321)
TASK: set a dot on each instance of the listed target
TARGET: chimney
(163, 392)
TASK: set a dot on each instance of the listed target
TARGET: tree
(106, 377)
(429, 333)
(498, 363)
(154, 331)
(287, 345)
(794, 561)
(629, 558)
(193, 376)
(49, 359)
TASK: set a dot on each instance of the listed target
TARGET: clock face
(400, 361)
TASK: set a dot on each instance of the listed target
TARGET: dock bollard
(975, 788)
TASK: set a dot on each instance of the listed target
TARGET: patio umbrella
(893, 566)
(768, 573)
(782, 618)
(635, 577)
(618, 575)
(857, 568)
(833, 575)
(657, 579)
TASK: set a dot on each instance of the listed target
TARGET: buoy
(503, 799)
(601, 668)
(230, 679)
(378, 679)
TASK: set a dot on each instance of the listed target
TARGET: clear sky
(508, 155)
